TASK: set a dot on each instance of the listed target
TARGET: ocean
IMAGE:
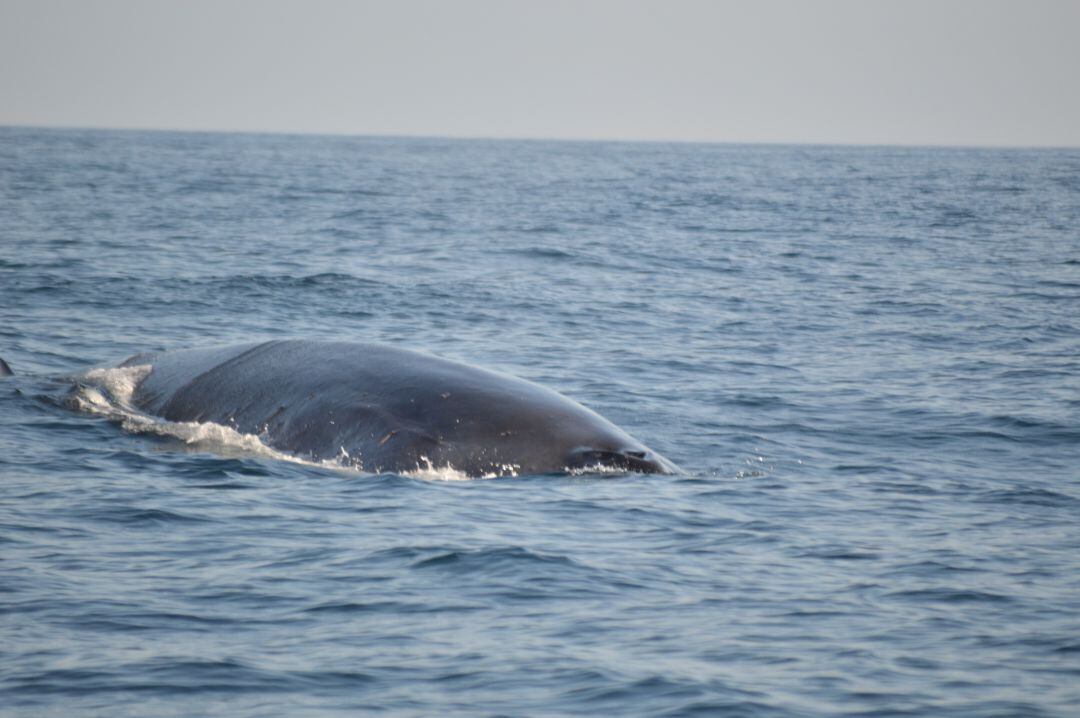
(866, 361)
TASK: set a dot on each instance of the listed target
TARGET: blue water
(867, 360)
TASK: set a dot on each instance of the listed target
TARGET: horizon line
(59, 127)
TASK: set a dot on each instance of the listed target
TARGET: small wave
(950, 595)
(493, 560)
(842, 555)
(389, 607)
(1031, 496)
(935, 568)
(541, 253)
(256, 283)
(133, 516)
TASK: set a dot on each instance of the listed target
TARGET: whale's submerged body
(384, 409)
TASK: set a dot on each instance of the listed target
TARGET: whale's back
(383, 408)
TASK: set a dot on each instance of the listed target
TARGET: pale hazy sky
(969, 72)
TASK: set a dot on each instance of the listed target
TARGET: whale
(384, 409)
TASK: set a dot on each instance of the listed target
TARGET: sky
(921, 72)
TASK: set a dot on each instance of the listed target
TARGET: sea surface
(866, 360)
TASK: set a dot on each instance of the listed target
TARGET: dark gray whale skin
(384, 409)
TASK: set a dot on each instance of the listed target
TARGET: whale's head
(548, 454)
(634, 457)
(484, 423)
(551, 435)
